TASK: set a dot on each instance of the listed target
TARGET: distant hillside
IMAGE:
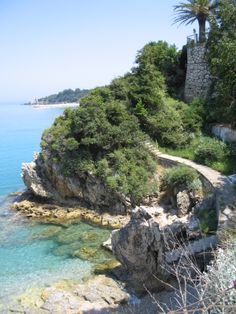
(66, 96)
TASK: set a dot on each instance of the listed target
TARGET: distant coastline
(58, 105)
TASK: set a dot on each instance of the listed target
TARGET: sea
(34, 255)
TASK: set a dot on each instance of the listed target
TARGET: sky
(51, 45)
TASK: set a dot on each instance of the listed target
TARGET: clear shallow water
(20, 132)
(34, 255)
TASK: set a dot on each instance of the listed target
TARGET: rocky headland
(147, 240)
(44, 180)
(169, 225)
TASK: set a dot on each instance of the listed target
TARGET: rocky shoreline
(52, 213)
(97, 292)
(147, 240)
(142, 243)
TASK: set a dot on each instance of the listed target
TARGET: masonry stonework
(198, 77)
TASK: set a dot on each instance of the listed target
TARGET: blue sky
(50, 45)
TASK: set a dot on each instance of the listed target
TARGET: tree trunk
(202, 30)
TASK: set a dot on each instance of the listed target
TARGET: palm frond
(191, 10)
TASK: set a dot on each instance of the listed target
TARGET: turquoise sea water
(34, 255)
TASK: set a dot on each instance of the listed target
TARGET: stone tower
(198, 77)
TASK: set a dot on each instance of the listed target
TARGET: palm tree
(192, 10)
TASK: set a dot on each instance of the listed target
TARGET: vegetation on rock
(181, 177)
(103, 139)
(105, 136)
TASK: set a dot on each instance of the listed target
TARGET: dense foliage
(166, 59)
(222, 59)
(210, 150)
(144, 91)
(105, 136)
(180, 176)
(103, 139)
(66, 96)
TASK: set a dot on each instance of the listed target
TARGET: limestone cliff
(44, 179)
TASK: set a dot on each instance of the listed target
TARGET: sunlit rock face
(138, 246)
(44, 179)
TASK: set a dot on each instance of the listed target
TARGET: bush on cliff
(181, 176)
(210, 150)
(102, 138)
(143, 93)
(105, 135)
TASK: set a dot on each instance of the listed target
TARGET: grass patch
(226, 166)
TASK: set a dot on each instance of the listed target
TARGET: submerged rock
(96, 294)
(50, 232)
(88, 253)
(51, 213)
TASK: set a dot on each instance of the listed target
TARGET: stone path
(224, 189)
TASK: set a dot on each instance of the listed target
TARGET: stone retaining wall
(226, 134)
(167, 163)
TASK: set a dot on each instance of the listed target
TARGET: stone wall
(226, 134)
(198, 76)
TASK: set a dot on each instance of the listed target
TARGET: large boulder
(148, 248)
(138, 246)
(99, 294)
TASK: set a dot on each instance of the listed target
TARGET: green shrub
(208, 220)
(103, 139)
(180, 176)
(128, 170)
(210, 150)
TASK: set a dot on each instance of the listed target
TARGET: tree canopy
(106, 135)
(66, 96)
(195, 10)
(221, 53)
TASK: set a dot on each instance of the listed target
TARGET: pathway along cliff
(224, 191)
(154, 240)
(45, 182)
